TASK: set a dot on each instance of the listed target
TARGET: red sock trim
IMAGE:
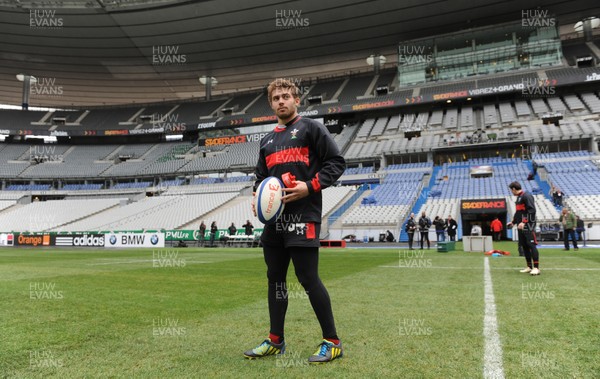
(335, 342)
(275, 338)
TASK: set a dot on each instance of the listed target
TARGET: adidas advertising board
(81, 240)
(124, 240)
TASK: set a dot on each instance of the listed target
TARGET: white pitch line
(498, 268)
(492, 356)
(136, 261)
(119, 262)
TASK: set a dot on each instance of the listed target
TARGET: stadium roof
(96, 52)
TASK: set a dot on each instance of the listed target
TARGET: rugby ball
(268, 200)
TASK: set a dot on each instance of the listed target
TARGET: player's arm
(529, 210)
(333, 163)
(261, 172)
(513, 222)
(332, 166)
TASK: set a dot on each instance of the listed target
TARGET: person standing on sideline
(411, 226)
(524, 218)
(452, 226)
(303, 149)
(232, 229)
(496, 227)
(424, 225)
(248, 228)
(569, 223)
(440, 227)
(213, 233)
(201, 233)
(580, 230)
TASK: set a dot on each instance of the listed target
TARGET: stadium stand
(108, 118)
(168, 212)
(591, 100)
(190, 113)
(81, 187)
(326, 88)
(19, 119)
(345, 136)
(366, 139)
(386, 78)
(577, 175)
(356, 86)
(239, 102)
(365, 129)
(76, 162)
(391, 200)
(197, 187)
(46, 215)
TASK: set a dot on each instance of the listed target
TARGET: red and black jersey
(304, 148)
(525, 209)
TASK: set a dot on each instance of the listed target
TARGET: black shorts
(291, 234)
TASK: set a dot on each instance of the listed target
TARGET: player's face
(514, 191)
(284, 104)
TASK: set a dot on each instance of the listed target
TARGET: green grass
(115, 315)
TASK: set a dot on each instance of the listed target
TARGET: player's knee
(307, 279)
(275, 277)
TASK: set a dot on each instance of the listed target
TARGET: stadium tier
(577, 175)
(46, 215)
(349, 90)
(420, 127)
(354, 88)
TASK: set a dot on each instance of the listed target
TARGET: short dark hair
(515, 185)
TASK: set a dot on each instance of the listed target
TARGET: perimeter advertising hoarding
(181, 235)
(128, 240)
(33, 239)
(7, 239)
(80, 240)
(192, 235)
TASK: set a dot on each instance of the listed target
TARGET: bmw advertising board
(125, 240)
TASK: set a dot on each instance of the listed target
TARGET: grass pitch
(183, 313)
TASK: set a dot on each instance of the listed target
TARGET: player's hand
(297, 192)
(254, 204)
(521, 226)
(509, 225)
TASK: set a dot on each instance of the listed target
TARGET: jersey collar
(281, 128)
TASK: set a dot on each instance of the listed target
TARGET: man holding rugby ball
(301, 150)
